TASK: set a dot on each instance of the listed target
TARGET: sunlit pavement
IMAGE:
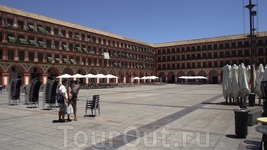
(141, 117)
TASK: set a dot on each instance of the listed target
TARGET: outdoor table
(262, 129)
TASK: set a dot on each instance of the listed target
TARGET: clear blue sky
(152, 21)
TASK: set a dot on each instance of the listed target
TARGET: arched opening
(162, 77)
(171, 77)
(52, 74)
(213, 77)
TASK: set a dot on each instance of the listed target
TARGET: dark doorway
(214, 80)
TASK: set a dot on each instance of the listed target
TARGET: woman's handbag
(70, 109)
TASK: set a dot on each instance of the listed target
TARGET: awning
(22, 41)
(122, 54)
(115, 64)
(119, 64)
(72, 61)
(32, 42)
(57, 59)
(11, 39)
(49, 59)
(41, 29)
(41, 43)
(77, 36)
(92, 52)
(64, 46)
(78, 49)
(115, 54)
(84, 49)
(31, 27)
(127, 55)
(65, 60)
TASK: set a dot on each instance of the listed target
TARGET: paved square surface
(141, 117)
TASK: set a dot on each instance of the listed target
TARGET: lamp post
(252, 37)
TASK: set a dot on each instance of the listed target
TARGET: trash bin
(241, 122)
(251, 99)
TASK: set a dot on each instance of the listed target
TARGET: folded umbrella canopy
(242, 81)
(259, 78)
(226, 83)
(235, 87)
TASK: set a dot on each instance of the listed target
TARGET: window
(40, 29)
(10, 54)
(233, 45)
(188, 65)
(240, 44)
(209, 47)
(9, 22)
(11, 38)
(240, 53)
(57, 59)
(221, 46)
(260, 42)
(48, 43)
(31, 56)
(63, 33)
(77, 36)
(1, 37)
(215, 46)
(168, 51)
(159, 51)
(70, 34)
(89, 61)
(56, 44)
(215, 64)
(215, 55)
(31, 27)
(159, 67)
(40, 57)
(21, 56)
(64, 46)
(20, 24)
(48, 30)
(246, 52)
(71, 47)
(55, 31)
(227, 45)
(83, 37)
(173, 58)
(221, 55)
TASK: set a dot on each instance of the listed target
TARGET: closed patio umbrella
(235, 87)
(259, 78)
(226, 83)
(243, 82)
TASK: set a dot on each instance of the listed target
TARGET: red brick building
(37, 46)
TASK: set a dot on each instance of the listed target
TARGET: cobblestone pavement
(141, 117)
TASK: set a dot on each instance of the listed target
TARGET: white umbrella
(144, 77)
(89, 76)
(100, 76)
(111, 76)
(235, 87)
(259, 78)
(243, 82)
(153, 77)
(77, 76)
(226, 83)
(64, 76)
(136, 78)
(265, 74)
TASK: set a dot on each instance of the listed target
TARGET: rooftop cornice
(67, 24)
(157, 45)
(206, 40)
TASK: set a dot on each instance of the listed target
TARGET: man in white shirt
(63, 106)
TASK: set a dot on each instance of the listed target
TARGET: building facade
(34, 46)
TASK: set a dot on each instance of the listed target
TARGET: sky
(153, 21)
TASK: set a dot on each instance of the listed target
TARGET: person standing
(63, 106)
(73, 93)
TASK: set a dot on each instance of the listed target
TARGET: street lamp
(252, 38)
